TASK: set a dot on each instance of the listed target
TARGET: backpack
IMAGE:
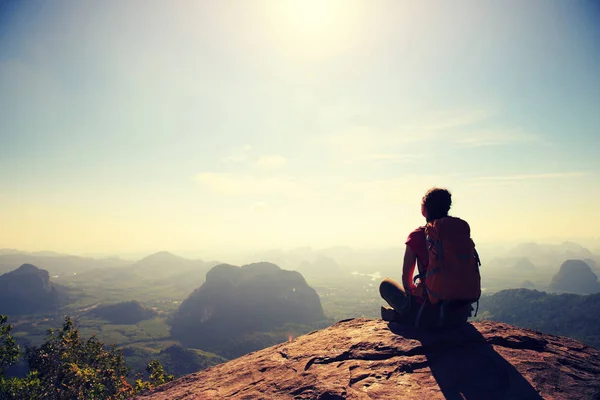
(453, 271)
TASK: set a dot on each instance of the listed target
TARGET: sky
(208, 127)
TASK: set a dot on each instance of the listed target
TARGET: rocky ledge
(371, 359)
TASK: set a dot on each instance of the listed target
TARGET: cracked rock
(371, 359)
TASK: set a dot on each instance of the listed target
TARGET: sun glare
(327, 25)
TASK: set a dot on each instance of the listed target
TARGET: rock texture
(575, 276)
(371, 359)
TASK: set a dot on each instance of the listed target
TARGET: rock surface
(371, 359)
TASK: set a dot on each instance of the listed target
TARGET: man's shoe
(389, 314)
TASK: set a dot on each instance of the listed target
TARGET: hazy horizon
(204, 127)
(489, 250)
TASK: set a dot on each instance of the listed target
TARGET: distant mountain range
(164, 267)
(541, 256)
(544, 256)
(56, 264)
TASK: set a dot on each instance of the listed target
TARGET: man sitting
(448, 269)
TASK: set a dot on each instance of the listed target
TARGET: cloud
(496, 138)
(398, 190)
(244, 155)
(360, 144)
(271, 162)
(394, 157)
(456, 119)
(471, 129)
(240, 155)
(240, 185)
(364, 143)
(510, 179)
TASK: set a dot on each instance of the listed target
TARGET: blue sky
(207, 126)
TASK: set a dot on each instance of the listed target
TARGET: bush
(67, 366)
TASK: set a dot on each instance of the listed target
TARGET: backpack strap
(423, 276)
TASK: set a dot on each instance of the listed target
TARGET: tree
(68, 366)
(9, 350)
(71, 367)
(157, 374)
(13, 388)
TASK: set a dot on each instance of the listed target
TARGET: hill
(56, 264)
(370, 359)
(549, 256)
(575, 276)
(27, 290)
(175, 359)
(127, 312)
(237, 309)
(163, 268)
(181, 361)
(321, 266)
(523, 265)
(161, 274)
(570, 315)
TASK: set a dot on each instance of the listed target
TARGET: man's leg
(392, 292)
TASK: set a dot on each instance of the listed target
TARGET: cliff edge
(371, 359)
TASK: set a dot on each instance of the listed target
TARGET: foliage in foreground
(67, 366)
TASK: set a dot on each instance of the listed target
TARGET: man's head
(436, 204)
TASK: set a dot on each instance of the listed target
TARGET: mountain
(523, 264)
(237, 309)
(127, 312)
(549, 256)
(54, 263)
(370, 359)
(27, 290)
(163, 264)
(569, 315)
(527, 284)
(158, 269)
(575, 276)
(322, 265)
(593, 265)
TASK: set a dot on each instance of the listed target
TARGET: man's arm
(408, 269)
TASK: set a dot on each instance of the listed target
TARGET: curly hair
(437, 203)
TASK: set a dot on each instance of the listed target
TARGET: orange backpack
(453, 271)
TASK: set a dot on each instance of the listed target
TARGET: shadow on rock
(466, 366)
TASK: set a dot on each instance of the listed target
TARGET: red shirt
(417, 243)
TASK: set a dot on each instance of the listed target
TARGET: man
(451, 285)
